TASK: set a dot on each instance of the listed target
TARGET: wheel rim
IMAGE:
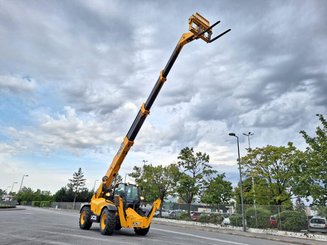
(103, 221)
(82, 218)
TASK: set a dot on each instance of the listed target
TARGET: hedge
(236, 220)
(292, 220)
(35, 203)
(257, 218)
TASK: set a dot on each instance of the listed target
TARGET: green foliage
(204, 218)
(236, 220)
(77, 183)
(45, 204)
(24, 203)
(194, 171)
(185, 216)
(28, 195)
(218, 191)
(35, 203)
(312, 173)
(322, 211)
(292, 220)
(257, 218)
(156, 181)
(215, 218)
(67, 195)
(277, 166)
(2, 192)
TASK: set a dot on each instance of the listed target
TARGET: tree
(277, 167)
(77, 183)
(312, 179)
(64, 195)
(219, 191)
(28, 195)
(194, 174)
(156, 181)
(2, 192)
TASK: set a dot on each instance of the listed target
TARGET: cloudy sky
(73, 75)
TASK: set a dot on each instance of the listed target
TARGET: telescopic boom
(199, 27)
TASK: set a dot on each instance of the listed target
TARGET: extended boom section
(119, 206)
(199, 27)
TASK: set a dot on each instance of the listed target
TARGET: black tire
(140, 212)
(107, 222)
(141, 231)
(118, 225)
(85, 222)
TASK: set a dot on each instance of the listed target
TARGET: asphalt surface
(47, 226)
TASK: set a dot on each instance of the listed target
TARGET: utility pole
(241, 182)
(252, 180)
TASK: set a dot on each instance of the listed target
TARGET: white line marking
(202, 237)
(86, 237)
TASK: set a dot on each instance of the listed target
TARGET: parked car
(175, 214)
(226, 221)
(317, 224)
(272, 222)
(164, 213)
(195, 216)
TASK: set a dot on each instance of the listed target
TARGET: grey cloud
(17, 84)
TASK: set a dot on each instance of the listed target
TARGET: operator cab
(129, 193)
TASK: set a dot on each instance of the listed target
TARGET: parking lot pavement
(60, 227)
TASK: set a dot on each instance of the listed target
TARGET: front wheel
(141, 231)
(85, 222)
(107, 222)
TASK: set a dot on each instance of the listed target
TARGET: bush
(35, 203)
(45, 204)
(322, 211)
(215, 218)
(292, 220)
(236, 220)
(184, 216)
(23, 203)
(262, 219)
(204, 218)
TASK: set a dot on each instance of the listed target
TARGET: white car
(317, 224)
(226, 221)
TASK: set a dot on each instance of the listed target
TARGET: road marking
(202, 237)
(86, 237)
(34, 239)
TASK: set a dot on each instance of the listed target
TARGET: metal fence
(287, 218)
(7, 204)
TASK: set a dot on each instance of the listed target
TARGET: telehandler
(117, 206)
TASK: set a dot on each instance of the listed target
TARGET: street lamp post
(12, 186)
(248, 135)
(241, 182)
(252, 180)
(21, 183)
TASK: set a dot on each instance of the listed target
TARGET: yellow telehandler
(117, 206)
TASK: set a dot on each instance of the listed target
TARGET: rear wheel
(141, 231)
(85, 222)
(107, 222)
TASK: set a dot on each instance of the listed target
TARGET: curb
(283, 236)
(11, 209)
